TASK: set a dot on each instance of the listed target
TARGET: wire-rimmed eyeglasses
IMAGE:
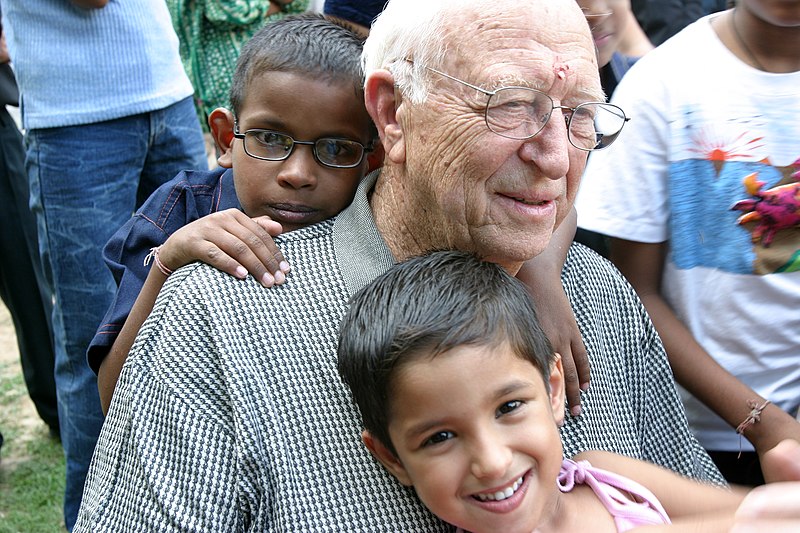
(521, 113)
(272, 145)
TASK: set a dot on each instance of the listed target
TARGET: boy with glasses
(293, 150)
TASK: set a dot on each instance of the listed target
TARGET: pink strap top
(629, 503)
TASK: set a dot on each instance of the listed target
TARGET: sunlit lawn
(31, 462)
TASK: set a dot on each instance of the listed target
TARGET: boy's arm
(227, 240)
(642, 264)
(111, 366)
(542, 275)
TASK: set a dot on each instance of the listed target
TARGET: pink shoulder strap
(629, 503)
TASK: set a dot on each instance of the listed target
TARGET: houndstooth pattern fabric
(632, 406)
(229, 414)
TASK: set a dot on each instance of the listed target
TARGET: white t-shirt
(702, 121)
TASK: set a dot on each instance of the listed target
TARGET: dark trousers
(22, 285)
(739, 470)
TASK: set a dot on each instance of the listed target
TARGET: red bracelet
(153, 256)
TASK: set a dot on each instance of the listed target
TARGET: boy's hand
(771, 507)
(232, 242)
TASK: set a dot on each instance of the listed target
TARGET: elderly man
(230, 415)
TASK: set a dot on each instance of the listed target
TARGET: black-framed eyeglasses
(272, 145)
(521, 113)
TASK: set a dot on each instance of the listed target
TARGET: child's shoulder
(199, 180)
(199, 191)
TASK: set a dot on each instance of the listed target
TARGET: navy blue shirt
(187, 197)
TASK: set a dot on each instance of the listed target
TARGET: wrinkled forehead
(535, 43)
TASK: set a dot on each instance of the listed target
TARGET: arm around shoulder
(542, 276)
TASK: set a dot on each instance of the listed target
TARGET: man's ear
(221, 123)
(557, 393)
(382, 103)
(388, 459)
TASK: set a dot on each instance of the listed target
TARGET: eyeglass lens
(521, 113)
(274, 146)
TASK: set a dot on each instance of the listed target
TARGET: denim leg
(176, 144)
(84, 182)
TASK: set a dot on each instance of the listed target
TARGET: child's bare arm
(694, 368)
(111, 366)
(542, 275)
(227, 240)
(687, 502)
(694, 506)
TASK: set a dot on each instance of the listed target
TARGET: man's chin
(513, 255)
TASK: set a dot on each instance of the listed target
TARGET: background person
(211, 34)
(722, 290)
(108, 116)
(22, 286)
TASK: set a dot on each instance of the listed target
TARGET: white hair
(417, 30)
(410, 29)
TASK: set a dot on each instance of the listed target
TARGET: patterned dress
(211, 34)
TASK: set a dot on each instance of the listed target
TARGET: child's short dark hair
(424, 307)
(307, 44)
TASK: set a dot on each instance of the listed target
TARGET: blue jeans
(86, 181)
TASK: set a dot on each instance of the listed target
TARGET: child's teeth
(501, 494)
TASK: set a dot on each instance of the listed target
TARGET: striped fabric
(211, 34)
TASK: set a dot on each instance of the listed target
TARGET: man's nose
(550, 149)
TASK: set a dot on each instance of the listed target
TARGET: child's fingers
(252, 247)
(581, 358)
(774, 504)
(773, 526)
(271, 227)
(782, 462)
(232, 242)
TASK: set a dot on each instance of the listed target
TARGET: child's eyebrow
(512, 387)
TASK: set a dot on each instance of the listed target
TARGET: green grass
(31, 462)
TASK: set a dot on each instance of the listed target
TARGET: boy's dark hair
(307, 44)
(424, 307)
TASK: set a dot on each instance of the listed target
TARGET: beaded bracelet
(153, 256)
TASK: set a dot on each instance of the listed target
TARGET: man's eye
(508, 407)
(438, 438)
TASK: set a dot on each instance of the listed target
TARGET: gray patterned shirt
(229, 414)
